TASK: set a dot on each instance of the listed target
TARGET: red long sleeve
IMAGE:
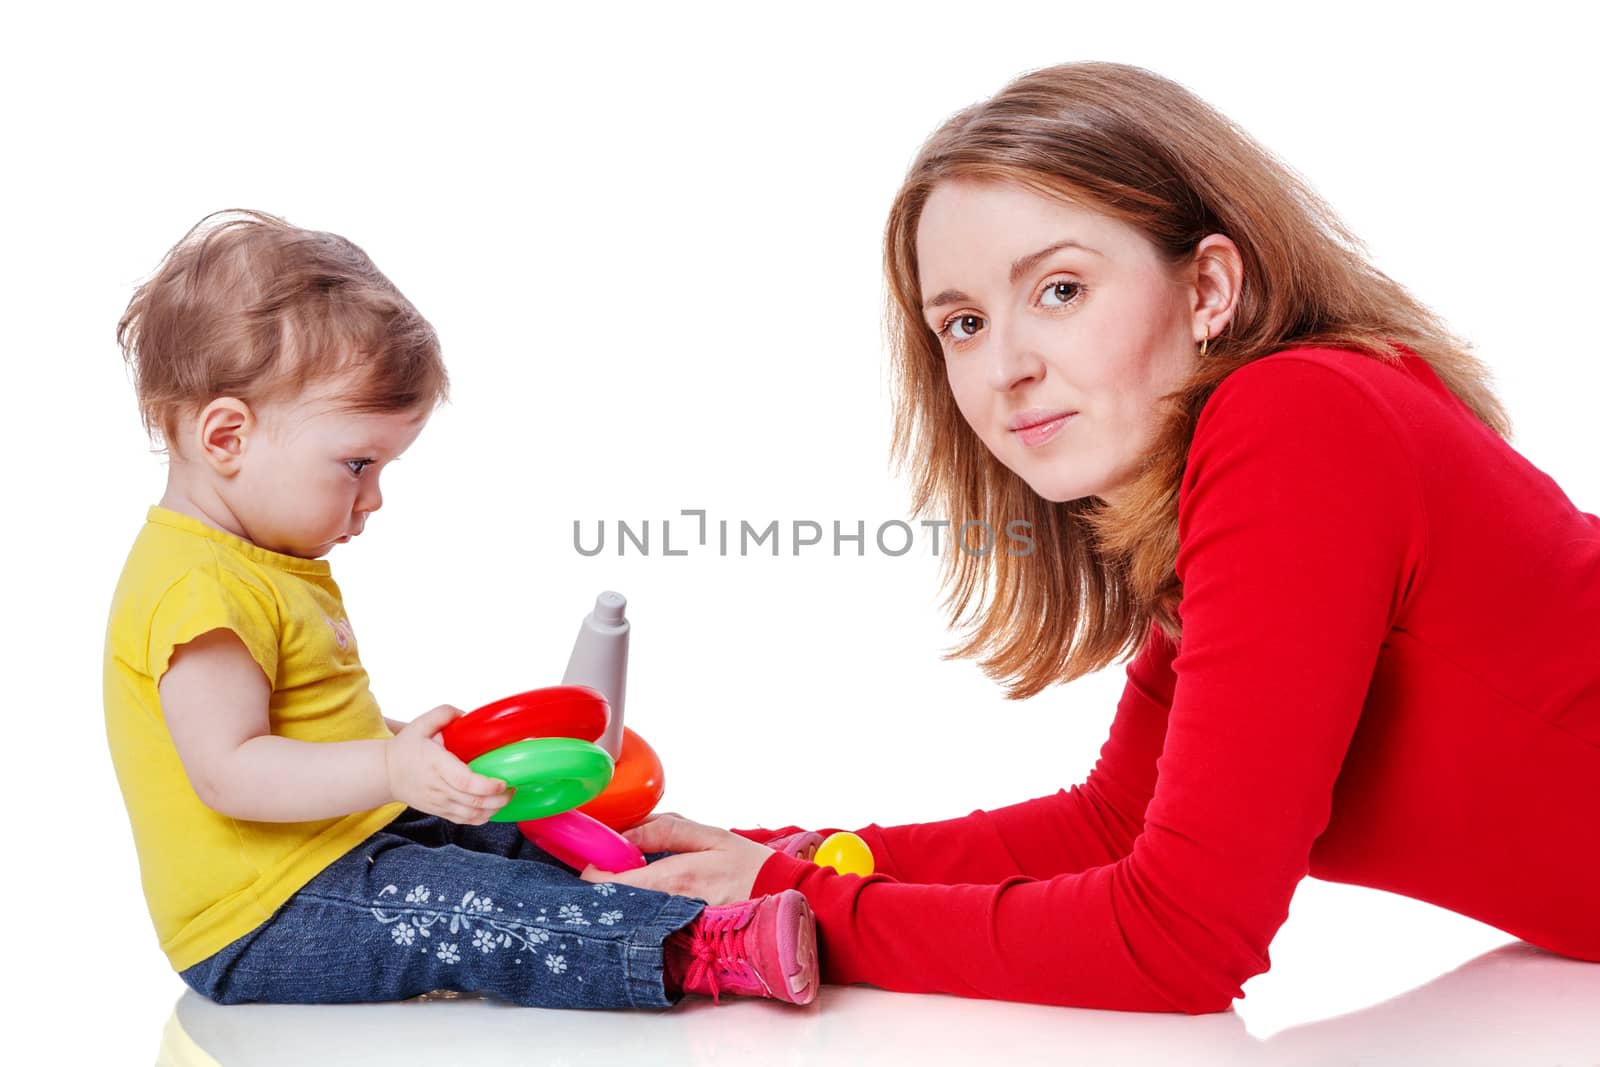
(1318, 486)
(1071, 830)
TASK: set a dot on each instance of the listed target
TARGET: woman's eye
(1063, 292)
(356, 466)
(962, 327)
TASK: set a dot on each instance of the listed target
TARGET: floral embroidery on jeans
(470, 916)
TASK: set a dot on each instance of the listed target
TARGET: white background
(649, 239)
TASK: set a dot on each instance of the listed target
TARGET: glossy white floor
(1513, 1005)
(1357, 978)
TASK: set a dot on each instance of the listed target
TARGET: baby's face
(308, 476)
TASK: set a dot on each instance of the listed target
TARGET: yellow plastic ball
(845, 853)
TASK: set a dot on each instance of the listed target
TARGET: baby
(295, 845)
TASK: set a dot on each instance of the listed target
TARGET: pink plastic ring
(578, 840)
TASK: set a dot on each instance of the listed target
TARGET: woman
(1365, 630)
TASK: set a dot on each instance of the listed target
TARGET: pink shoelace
(717, 944)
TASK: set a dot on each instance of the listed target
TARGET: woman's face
(1061, 328)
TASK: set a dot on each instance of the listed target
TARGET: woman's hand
(427, 776)
(717, 866)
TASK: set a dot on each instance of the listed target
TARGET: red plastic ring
(554, 711)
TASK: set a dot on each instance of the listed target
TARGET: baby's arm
(214, 698)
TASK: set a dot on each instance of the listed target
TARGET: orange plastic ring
(636, 785)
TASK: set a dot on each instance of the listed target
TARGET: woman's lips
(1038, 433)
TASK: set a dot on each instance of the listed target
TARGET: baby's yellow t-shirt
(210, 879)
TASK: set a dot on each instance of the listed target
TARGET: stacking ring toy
(578, 840)
(555, 711)
(635, 788)
(550, 775)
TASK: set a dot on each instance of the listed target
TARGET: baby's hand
(424, 774)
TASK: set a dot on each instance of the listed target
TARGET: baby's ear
(221, 432)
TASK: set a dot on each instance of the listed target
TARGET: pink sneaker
(801, 845)
(765, 947)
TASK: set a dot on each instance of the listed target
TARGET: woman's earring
(1204, 342)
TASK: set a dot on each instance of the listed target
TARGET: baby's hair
(248, 306)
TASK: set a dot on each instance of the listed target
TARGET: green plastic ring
(550, 775)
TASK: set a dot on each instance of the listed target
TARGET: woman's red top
(1389, 676)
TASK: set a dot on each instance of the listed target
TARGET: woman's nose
(1012, 361)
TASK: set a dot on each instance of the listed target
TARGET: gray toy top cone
(600, 660)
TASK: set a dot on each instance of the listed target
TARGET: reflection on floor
(1514, 1005)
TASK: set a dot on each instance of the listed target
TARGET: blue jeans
(426, 904)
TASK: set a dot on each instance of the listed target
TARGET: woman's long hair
(1131, 144)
